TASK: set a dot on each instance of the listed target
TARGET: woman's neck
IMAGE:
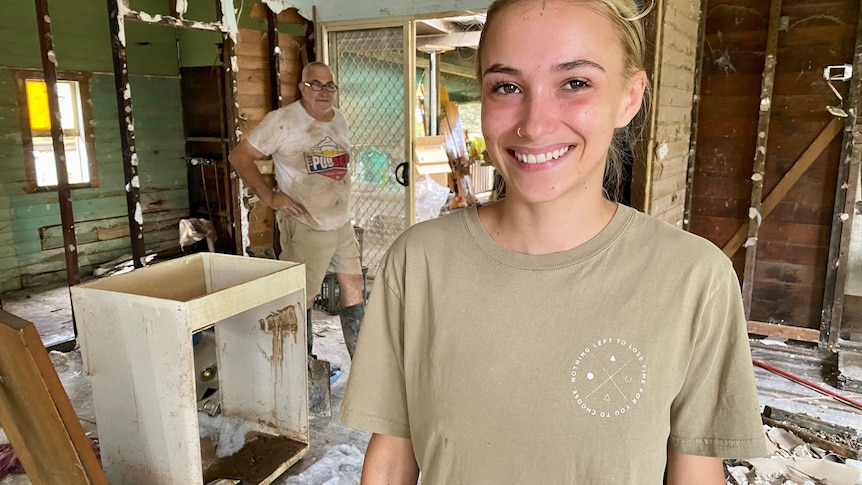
(545, 228)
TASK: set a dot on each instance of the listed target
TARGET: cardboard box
(431, 158)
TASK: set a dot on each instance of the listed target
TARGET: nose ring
(519, 133)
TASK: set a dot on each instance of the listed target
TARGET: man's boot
(351, 319)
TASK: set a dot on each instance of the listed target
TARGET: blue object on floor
(334, 373)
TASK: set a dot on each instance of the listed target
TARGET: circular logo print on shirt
(609, 377)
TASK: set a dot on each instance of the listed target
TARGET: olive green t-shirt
(576, 367)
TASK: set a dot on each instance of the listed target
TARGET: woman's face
(554, 70)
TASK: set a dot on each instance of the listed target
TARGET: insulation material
(228, 432)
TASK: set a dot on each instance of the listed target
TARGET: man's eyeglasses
(318, 86)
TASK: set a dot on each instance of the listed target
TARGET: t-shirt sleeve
(716, 412)
(376, 399)
(264, 137)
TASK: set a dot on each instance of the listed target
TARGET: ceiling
(444, 34)
(455, 40)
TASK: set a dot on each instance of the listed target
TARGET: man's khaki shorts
(321, 251)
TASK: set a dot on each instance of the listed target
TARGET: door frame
(409, 61)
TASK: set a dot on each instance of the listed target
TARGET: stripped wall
(254, 97)
(659, 175)
(31, 250)
(793, 240)
(30, 238)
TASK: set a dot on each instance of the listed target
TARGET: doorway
(381, 70)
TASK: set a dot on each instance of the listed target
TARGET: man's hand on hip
(284, 203)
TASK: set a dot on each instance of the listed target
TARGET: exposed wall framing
(662, 159)
(695, 109)
(845, 201)
(274, 59)
(64, 192)
(779, 205)
(270, 65)
(119, 12)
(757, 174)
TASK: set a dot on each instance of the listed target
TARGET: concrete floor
(336, 452)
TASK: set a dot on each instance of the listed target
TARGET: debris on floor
(340, 465)
(793, 461)
(335, 452)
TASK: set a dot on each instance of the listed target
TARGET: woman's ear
(633, 99)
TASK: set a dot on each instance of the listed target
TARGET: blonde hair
(625, 16)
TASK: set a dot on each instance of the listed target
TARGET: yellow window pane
(37, 104)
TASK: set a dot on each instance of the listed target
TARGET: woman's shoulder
(661, 239)
(429, 234)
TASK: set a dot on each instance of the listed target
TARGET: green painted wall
(30, 242)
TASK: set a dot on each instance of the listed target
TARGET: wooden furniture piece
(136, 333)
(36, 413)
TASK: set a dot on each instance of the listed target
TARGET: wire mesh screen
(369, 67)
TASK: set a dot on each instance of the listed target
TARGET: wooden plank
(811, 437)
(274, 58)
(845, 198)
(234, 126)
(790, 178)
(695, 110)
(755, 218)
(64, 190)
(794, 304)
(784, 331)
(122, 89)
(641, 190)
(110, 228)
(36, 413)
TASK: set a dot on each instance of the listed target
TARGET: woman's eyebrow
(571, 65)
(561, 67)
(500, 68)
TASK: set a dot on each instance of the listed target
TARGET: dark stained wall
(794, 239)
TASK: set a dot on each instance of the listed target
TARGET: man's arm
(685, 469)
(389, 460)
(242, 159)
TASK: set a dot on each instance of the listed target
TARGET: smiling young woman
(554, 336)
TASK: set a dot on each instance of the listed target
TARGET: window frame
(86, 130)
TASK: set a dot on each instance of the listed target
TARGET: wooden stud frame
(695, 109)
(845, 198)
(118, 13)
(64, 191)
(754, 212)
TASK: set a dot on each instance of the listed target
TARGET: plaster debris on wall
(278, 6)
(229, 20)
(181, 6)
